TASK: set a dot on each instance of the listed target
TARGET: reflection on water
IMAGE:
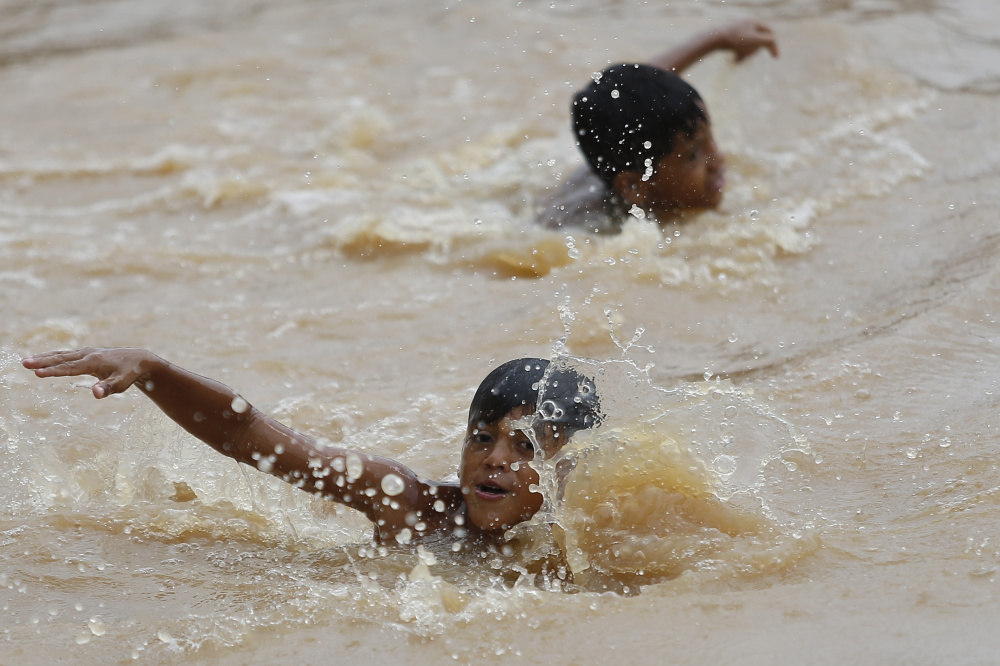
(801, 385)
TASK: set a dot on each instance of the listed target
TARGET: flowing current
(328, 207)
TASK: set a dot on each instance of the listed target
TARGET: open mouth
(490, 492)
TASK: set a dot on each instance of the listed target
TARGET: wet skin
(692, 176)
(495, 475)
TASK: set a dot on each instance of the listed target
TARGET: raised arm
(387, 492)
(743, 38)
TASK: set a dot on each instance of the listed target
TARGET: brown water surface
(327, 206)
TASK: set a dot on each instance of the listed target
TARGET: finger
(51, 358)
(117, 383)
(71, 364)
(766, 36)
(106, 387)
(63, 369)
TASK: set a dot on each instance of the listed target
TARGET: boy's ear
(630, 186)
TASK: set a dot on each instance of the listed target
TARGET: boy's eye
(527, 446)
(481, 437)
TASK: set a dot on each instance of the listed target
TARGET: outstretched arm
(743, 38)
(221, 418)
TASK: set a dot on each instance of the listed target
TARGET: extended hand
(117, 369)
(744, 38)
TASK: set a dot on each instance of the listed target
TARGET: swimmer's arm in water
(743, 38)
(221, 418)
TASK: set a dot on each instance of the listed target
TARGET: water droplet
(911, 453)
(614, 94)
(426, 557)
(550, 411)
(754, 215)
(239, 405)
(637, 212)
(355, 468)
(724, 465)
(733, 337)
(82, 639)
(97, 626)
(609, 261)
(163, 636)
(707, 375)
(439, 506)
(951, 206)
(392, 485)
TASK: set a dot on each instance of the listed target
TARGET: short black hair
(627, 106)
(559, 393)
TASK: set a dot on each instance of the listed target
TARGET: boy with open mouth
(524, 410)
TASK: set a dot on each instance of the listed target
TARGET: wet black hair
(560, 394)
(626, 107)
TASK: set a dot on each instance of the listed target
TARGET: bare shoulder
(581, 202)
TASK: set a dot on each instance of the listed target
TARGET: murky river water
(328, 207)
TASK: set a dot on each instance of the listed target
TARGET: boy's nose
(499, 456)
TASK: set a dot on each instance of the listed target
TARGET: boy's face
(692, 175)
(495, 476)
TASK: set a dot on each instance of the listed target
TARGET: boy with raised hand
(521, 405)
(647, 138)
